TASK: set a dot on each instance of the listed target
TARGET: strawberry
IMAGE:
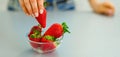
(34, 36)
(42, 19)
(36, 27)
(35, 33)
(34, 45)
(48, 43)
(57, 30)
(48, 46)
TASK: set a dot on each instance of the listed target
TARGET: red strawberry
(44, 40)
(34, 35)
(57, 30)
(34, 44)
(34, 41)
(47, 45)
(42, 18)
(37, 27)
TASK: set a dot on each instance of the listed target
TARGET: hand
(105, 8)
(32, 7)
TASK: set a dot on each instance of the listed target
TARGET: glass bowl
(45, 47)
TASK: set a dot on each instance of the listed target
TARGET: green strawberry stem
(32, 36)
(65, 27)
(48, 37)
(36, 34)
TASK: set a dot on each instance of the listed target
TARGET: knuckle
(22, 5)
(26, 3)
(35, 9)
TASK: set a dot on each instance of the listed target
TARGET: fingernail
(41, 11)
(36, 14)
(32, 15)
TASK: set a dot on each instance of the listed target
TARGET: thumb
(106, 11)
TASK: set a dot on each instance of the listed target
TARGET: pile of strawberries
(48, 40)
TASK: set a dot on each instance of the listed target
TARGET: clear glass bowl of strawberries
(45, 47)
(48, 41)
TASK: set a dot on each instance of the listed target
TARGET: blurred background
(92, 35)
(74, 4)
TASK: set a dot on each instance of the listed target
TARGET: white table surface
(92, 35)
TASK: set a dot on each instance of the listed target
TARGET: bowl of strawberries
(48, 41)
(45, 46)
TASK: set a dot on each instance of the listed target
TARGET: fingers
(23, 7)
(28, 6)
(32, 7)
(105, 8)
(40, 5)
(106, 11)
(108, 8)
